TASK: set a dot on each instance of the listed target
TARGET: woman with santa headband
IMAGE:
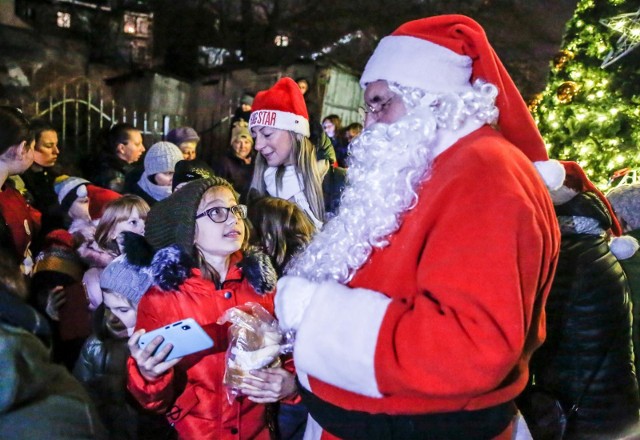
(287, 166)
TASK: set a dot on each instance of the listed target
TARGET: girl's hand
(151, 366)
(269, 385)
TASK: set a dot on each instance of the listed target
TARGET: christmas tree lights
(589, 113)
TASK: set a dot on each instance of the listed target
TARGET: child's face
(219, 239)
(80, 209)
(133, 224)
(163, 179)
(122, 308)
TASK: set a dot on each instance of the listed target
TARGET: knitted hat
(446, 54)
(173, 220)
(59, 256)
(625, 200)
(162, 157)
(282, 107)
(69, 189)
(247, 100)
(240, 131)
(98, 199)
(126, 279)
(182, 134)
(188, 170)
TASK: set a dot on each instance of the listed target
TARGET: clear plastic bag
(254, 343)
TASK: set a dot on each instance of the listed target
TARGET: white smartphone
(186, 336)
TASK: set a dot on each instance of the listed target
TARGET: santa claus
(417, 307)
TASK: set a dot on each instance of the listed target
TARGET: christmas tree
(590, 109)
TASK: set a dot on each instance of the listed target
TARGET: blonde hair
(305, 164)
(208, 272)
(116, 211)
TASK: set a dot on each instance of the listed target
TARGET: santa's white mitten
(292, 299)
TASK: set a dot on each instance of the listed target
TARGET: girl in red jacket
(200, 270)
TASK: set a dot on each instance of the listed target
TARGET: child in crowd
(57, 276)
(282, 229)
(200, 269)
(159, 166)
(101, 367)
(128, 213)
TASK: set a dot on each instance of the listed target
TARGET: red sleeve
(158, 395)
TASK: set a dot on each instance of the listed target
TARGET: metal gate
(82, 113)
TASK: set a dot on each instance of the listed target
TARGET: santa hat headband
(446, 54)
(282, 107)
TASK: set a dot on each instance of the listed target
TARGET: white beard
(387, 164)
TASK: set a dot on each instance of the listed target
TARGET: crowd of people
(428, 269)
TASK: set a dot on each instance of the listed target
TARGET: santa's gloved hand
(292, 299)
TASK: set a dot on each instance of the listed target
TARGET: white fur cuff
(337, 339)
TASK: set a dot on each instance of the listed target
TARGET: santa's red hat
(282, 106)
(98, 198)
(446, 54)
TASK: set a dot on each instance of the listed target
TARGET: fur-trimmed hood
(171, 266)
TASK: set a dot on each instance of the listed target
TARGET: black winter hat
(188, 170)
(173, 220)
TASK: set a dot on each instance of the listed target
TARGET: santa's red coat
(464, 279)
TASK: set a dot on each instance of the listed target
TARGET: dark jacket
(332, 186)
(102, 370)
(38, 399)
(236, 171)
(109, 172)
(39, 184)
(631, 268)
(587, 355)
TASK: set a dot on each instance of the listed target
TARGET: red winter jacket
(22, 220)
(192, 394)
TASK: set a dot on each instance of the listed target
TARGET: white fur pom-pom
(623, 247)
(552, 172)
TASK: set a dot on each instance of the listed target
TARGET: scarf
(292, 189)
(156, 191)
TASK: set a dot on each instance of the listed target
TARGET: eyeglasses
(220, 214)
(377, 108)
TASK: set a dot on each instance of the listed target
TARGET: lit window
(281, 40)
(64, 19)
(137, 24)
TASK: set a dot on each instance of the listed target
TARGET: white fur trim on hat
(623, 247)
(552, 172)
(280, 120)
(415, 62)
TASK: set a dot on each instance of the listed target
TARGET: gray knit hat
(162, 157)
(124, 278)
(625, 200)
(173, 220)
